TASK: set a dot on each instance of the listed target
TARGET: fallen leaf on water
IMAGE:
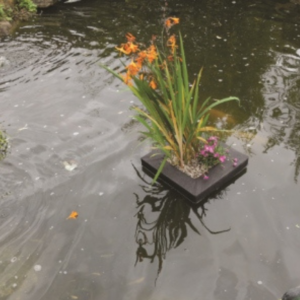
(97, 274)
(297, 226)
(23, 128)
(137, 281)
(73, 215)
(74, 297)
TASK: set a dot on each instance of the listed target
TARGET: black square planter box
(197, 189)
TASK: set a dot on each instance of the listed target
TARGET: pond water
(74, 147)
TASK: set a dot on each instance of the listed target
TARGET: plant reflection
(281, 89)
(171, 219)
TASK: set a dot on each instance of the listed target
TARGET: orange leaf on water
(73, 215)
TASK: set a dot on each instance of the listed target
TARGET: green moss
(28, 5)
(16, 10)
(3, 145)
(5, 13)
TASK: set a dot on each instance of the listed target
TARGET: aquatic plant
(175, 118)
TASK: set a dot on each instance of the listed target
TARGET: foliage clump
(176, 118)
(21, 10)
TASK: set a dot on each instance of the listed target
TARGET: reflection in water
(169, 228)
(282, 113)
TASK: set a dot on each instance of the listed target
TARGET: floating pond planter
(197, 189)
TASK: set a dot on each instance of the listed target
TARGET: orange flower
(133, 68)
(123, 49)
(151, 53)
(128, 48)
(153, 84)
(130, 37)
(175, 20)
(73, 215)
(172, 43)
(132, 47)
(170, 58)
(141, 57)
(168, 23)
(171, 21)
(127, 79)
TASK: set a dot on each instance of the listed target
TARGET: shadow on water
(168, 218)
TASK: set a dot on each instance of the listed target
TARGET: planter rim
(195, 189)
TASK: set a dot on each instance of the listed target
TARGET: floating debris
(23, 128)
(73, 215)
(37, 268)
(137, 281)
(70, 165)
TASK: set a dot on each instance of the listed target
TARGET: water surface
(74, 147)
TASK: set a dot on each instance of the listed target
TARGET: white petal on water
(259, 282)
(101, 194)
(298, 52)
(75, 133)
(14, 259)
(70, 165)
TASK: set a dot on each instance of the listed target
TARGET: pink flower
(222, 158)
(235, 164)
(205, 177)
(212, 138)
(209, 148)
(203, 153)
(235, 160)
(216, 155)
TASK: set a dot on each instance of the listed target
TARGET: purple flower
(222, 158)
(205, 177)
